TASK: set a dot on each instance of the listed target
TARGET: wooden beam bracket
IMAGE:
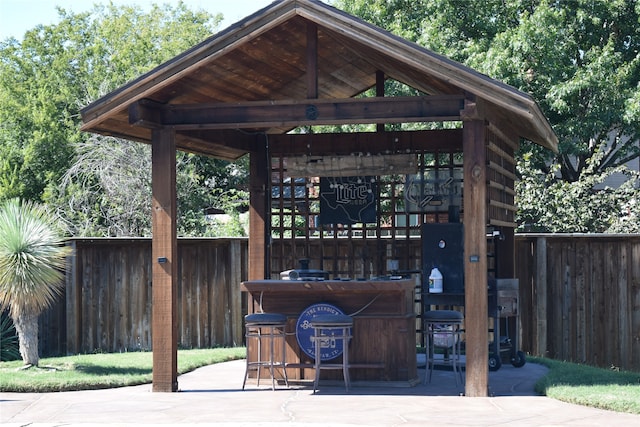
(146, 113)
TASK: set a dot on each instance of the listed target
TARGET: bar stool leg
(430, 355)
(270, 326)
(283, 361)
(332, 323)
(273, 335)
(345, 359)
(316, 362)
(448, 331)
(272, 353)
(459, 354)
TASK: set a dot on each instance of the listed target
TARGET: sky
(19, 16)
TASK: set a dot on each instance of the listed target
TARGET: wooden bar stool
(330, 330)
(269, 326)
(444, 329)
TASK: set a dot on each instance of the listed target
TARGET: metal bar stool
(443, 328)
(270, 326)
(330, 330)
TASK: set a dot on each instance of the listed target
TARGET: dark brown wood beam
(258, 216)
(228, 140)
(146, 113)
(322, 144)
(164, 249)
(269, 114)
(475, 252)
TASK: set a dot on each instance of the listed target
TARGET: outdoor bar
(383, 346)
(354, 203)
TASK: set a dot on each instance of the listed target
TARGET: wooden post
(235, 252)
(258, 215)
(540, 292)
(475, 254)
(73, 295)
(164, 250)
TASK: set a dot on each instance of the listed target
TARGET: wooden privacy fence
(106, 306)
(580, 297)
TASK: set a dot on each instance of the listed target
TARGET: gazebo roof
(264, 57)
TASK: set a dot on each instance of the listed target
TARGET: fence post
(540, 347)
(234, 290)
(73, 301)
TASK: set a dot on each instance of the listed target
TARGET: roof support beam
(475, 253)
(268, 114)
(164, 249)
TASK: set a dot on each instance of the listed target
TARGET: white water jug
(435, 281)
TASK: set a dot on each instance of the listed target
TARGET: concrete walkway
(213, 395)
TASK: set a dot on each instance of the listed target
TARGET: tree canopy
(46, 78)
(579, 59)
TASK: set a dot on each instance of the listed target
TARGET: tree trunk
(27, 327)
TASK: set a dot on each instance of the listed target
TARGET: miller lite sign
(347, 200)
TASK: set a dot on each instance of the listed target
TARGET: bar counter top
(328, 285)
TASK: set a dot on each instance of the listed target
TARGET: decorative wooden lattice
(501, 176)
(403, 202)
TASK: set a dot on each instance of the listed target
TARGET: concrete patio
(212, 395)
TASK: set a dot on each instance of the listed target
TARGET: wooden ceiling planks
(394, 69)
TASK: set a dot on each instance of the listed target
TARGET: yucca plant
(32, 257)
(8, 339)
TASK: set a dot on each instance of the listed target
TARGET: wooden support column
(475, 254)
(165, 262)
(259, 229)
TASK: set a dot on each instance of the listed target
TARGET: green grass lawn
(103, 370)
(569, 382)
(589, 386)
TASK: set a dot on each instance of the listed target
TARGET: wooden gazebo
(300, 63)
